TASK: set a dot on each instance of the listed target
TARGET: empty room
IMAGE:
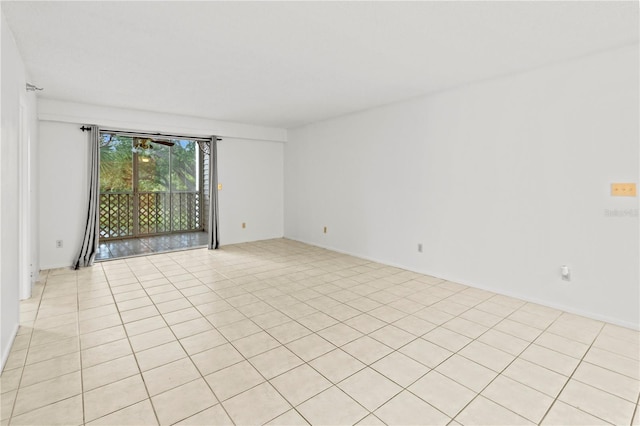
(319, 213)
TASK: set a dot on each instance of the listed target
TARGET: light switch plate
(623, 189)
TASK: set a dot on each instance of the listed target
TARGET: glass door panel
(185, 186)
(153, 183)
(116, 187)
(149, 187)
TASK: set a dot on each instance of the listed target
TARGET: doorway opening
(152, 196)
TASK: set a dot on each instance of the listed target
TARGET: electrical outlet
(58, 243)
(565, 273)
(324, 230)
(244, 225)
(623, 189)
(419, 247)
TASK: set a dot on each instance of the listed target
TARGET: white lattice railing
(125, 214)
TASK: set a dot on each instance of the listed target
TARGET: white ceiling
(288, 63)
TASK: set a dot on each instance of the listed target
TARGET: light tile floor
(279, 332)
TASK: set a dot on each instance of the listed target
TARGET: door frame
(25, 273)
(135, 191)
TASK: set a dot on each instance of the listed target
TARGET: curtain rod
(149, 135)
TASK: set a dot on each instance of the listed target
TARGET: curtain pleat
(214, 238)
(89, 248)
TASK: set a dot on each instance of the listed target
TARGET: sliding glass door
(149, 187)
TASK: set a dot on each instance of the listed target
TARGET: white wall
(63, 192)
(121, 118)
(12, 165)
(501, 181)
(251, 172)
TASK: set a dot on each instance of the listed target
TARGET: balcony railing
(127, 214)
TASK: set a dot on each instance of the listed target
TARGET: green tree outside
(168, 176)
(160, 168)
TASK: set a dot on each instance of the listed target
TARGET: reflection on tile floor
(281, 332)
(148, 245)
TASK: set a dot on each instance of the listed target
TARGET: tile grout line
(24, 363)
(268, 381)
(84, 419)
(304, 362)
(274, 282)
(469, 308)
(569, 380)
(451, 418)
(499, 349)
(406, 388)
(476, 339)
(157, 345)
(490, 328)
(336, 348)
(133, 352)
(185, 351)
(517, 357)
(500, 372)
(635, 410)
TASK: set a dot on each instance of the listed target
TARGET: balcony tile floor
(279, 332)
(130, 247)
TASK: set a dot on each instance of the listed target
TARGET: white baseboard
(547, 303)
(48, 267)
